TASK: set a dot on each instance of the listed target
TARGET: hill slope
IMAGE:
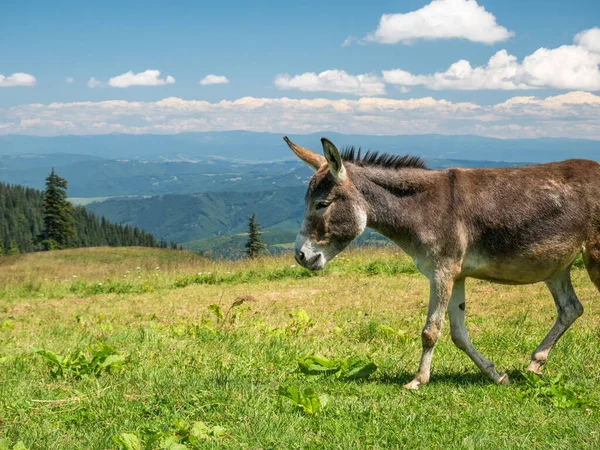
(189, 217)
(21, 222)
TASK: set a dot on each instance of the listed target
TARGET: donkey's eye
(322, 204)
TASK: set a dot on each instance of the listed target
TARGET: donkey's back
(524, 224)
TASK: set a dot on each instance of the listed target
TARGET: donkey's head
(335, 213)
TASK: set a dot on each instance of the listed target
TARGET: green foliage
(231, 316)
(5, 445)
(175, 437)
(347, 368)
(307, 400)
(14, 248)
(299, 321)
(127, 441)
(59, 224)
(254, 246)
(99, 358)
(22, 227)
(550, 390)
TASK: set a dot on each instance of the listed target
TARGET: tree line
(32, 220)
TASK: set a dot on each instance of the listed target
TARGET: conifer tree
(59, 224)
(14, 248)
(1, 248)
(254, 246)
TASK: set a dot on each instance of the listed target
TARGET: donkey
(517, 225)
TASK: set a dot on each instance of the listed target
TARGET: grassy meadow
(132, 348)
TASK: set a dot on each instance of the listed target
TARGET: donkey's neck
(394, 201)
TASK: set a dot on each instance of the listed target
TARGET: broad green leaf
(19, 446)
(317, 365)
(199, 430)
(217, 431)
(311, 401)
(291, 393)
(356, 370)
(307, 400)
(4, 444)
(50, 356)
(127, 441)
(172, 442)
(112, 360)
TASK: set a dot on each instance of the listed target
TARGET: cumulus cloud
(93, 83)
(575, 114)
(566, 67)
(332, 81)
(17, 79)
(589, 39)
(441, 19)
(146, 78)
(214, 79)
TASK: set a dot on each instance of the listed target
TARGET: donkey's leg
(460, 337)
(569, 309)
(591, 257)
(440, 288)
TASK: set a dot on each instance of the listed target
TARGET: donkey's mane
(371, 158)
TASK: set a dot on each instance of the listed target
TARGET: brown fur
(515, 226)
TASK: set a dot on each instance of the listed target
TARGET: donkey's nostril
(301, 256)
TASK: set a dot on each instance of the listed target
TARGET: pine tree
(254, 246)
(14, 248)
(59, 224)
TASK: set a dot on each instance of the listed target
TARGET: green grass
(180, 364)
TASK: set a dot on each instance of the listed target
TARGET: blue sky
(250, 43)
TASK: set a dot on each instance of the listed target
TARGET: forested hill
(21, 222)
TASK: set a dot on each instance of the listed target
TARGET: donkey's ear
(334, 160)
(313, 159)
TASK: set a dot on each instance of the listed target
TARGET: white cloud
(589, 39)
(332, 81)
(146, 78)
(214, 79)
(17, 79)
(93, 83)
(441, 19)
(69, 80)
(575, 114)
(565, 67)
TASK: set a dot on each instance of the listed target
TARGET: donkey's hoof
(538, 372)
(413, 385)
(503, 380)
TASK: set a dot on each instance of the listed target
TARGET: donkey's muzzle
(312, 262)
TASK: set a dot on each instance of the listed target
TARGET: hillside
(186, 218)
(21, 222)
(173, 354)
